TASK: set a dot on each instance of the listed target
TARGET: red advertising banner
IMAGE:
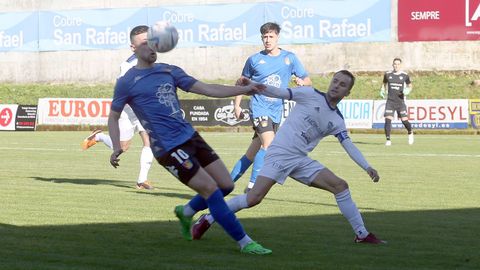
(434, 20)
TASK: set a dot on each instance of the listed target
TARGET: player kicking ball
(314, 117)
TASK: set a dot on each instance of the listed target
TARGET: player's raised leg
(206, 186)
(327, 180)
(237, 203)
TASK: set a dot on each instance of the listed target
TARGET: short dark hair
(397, 59)
(270, 26)
(137, 30)
(349, 74)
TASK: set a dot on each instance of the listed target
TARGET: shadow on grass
(116, 183)
(437, 239)
(84, 181)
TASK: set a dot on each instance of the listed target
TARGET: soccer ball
(162, 37)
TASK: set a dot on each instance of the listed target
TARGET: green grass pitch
(64, 208)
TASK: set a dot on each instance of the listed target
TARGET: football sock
(188, 210)
(388, 127)
(235, 204)
(257, 165)
(351, 213)
(209, 218)
(244, 241)
(240, 167)
(198, 203)
(238, 203)
(146, 158)
(408, 126)
(101, 137)
(225, 217)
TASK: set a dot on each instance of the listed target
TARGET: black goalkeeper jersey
(396, 83)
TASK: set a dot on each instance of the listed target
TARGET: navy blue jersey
(275, 71)
(152, 94)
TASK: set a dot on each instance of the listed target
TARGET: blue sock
(222, 214)
(240, 167)
(198, 203)
(257, 164)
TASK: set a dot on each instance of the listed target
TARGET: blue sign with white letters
(302, 22)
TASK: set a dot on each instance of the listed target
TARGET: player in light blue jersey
(271, 66)
(314, 117)
(151, 91)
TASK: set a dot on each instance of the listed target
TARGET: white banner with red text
(73, 111)
(365, 114)
(427, 114)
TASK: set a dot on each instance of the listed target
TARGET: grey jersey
(311, 120)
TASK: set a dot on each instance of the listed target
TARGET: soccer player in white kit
(314, 117)
(129, 125)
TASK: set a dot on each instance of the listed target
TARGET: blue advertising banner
(302, 22)
(331, 20)
(88, 29)
(19, 31)
(213, 25)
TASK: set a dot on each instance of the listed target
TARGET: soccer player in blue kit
(150, 90)
(314, 117)
(271, 66)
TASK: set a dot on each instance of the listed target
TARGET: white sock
(244, 241)
(146, 158)
(238, 203)
(235, 204)
(188, 210)
(101, 137)
(351, 213)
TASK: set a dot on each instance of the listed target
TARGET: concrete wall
(224, 62)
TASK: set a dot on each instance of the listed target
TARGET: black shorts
(392, 107)
(185, 160)
(263, 124)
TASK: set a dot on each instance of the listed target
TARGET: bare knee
(340, 186)
(254, 198)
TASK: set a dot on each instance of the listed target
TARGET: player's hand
(373, 174)
(242, 81)
(114, 158)
(407, 91)
(382, 92)
(299, 81)
(254, 86)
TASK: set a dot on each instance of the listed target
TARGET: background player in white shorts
(314, 117)
(128, 125)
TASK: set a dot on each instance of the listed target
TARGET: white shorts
(128, 124)
(279, 165)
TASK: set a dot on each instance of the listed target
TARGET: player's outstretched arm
(218, 90)
(358, 157)
(114, 133)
